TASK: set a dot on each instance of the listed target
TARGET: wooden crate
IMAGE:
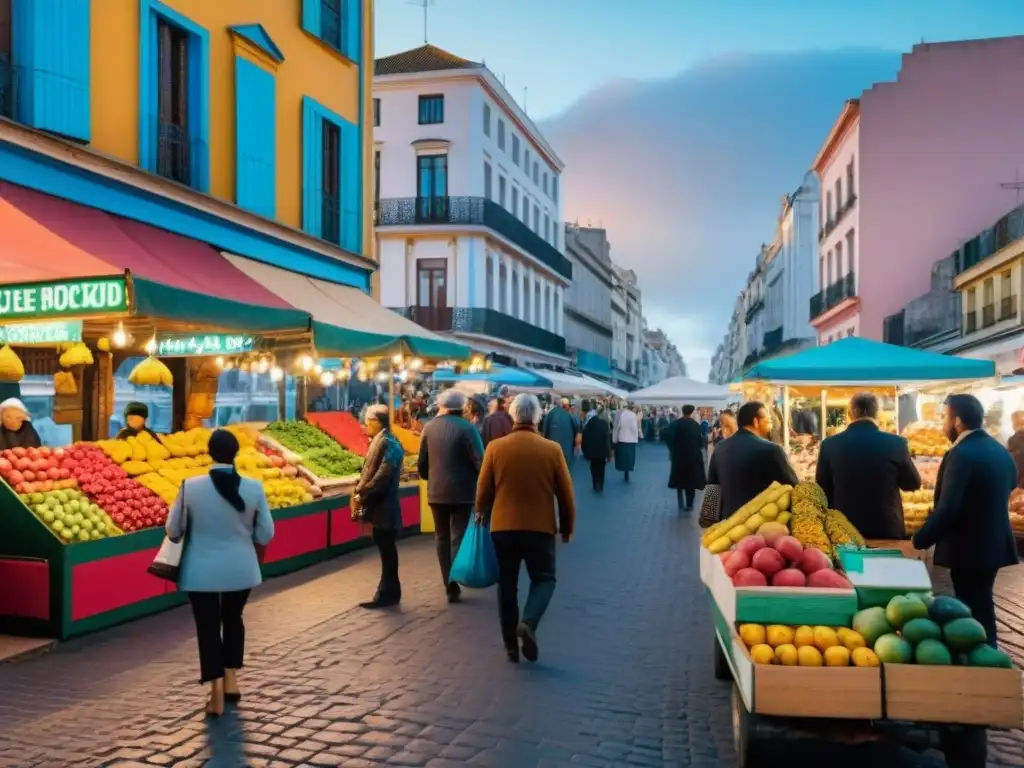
(776, 605)
(963, 695)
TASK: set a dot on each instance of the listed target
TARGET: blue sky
(682, 123)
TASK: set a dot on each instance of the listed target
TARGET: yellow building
(240, 123)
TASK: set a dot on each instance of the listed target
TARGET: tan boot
(215, 704)
(231, 692)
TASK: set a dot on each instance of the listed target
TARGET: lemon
(837, 656)
(809, 656)
(824, 638)
(779, 634)
(787, 655)
(851, 639)
(752, 634)
(865, 657)
(803, 636)
(762, 654)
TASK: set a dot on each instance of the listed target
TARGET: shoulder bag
(711, 506)
(167, 563)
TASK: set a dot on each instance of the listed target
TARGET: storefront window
(157, 399)
(243, 396)
(37, 394)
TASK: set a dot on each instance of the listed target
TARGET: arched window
(502, 286)
(554, 325)
(526, 299)
(547, 307)
(489, 290)
(536, 303)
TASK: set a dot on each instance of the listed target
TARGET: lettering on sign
(26, 334)
(93, 296)
(204, 344)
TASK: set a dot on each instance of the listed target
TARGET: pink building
(910, 171)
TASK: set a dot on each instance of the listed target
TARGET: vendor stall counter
(52, 589)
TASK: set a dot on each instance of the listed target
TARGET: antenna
(425, 5)
(1016, 184)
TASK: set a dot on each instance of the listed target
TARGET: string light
(306, 362)
(318, 369)
(119, 338)
(220, 362)
(228, 365)
(327, 378)
(151, 346)
(382, 376)
(416, 363)
(263, 366)
(397, 359)
(276, 374)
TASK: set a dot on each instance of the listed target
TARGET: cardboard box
(962, 695)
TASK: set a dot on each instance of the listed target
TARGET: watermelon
(987, 656)
(871, 624)
(963, 634)
(932, 652)
(893, 649)
(918, 630)
(945, 608)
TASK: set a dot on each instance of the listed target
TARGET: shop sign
(204, 344)
(89, 296)
(26, 334)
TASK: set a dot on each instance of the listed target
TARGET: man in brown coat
(521, 477)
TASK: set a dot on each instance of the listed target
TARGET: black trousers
(389, 587)
(597, 467)
(450, 523)
(690, 495)
(537, 550)
(974, 588)
(219, 631)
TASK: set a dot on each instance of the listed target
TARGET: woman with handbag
(223, 518)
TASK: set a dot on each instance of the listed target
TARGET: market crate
(880, 574)
(960, 695)
(851, 693)
(776, 605)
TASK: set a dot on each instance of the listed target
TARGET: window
(489, 290)
(547, 227)
(501, 191)
(828, 207)
(544, 184)
(515, 199)
(503, 289)
(330, 199)
(972, 301)
(536, 303)
(330, 23)
(515, 293)
(432, 187)
(831, 269)
(526, 210)
(839, 261)
(487, 119)
(821, 273)
(173, 160)
(501, 134)
(515, 149)
(554, 187)
(6, 89)
(487, 182)
(536, 219)
(376, 186)
(376, 113)
(554, 325)
(432, 109)
(849, 180)
(526, 298)
(431, 282)
(839, 195)
(971, 318)
(536, 172)
(547, 307)
(989, 288)
(849, 252)
(526, 161)
(1007, 299)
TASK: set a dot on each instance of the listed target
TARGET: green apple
(58, 526)
(48, 515)
(66, 534)
(40, 509)
(52, 501)
(87, 525)
(37, 498)
(75, 530)
(83, 536)
(63, 497)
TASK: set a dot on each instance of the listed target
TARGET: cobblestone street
(624, 678)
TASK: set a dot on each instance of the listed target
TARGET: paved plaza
(624, 677)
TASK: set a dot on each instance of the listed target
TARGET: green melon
(917, 630)
(932, 652)
(893, 649)
(987, 656)
(945, 608)
(872, 624)
(902, 609)
(963, 634)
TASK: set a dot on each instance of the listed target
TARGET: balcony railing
(756, 307)
(174, 153)
(988, 315)
(471, 211)
(1005, 231)
(844, 288)
(1008, 308)
(893, 329)
(970, 322)
(488, 322)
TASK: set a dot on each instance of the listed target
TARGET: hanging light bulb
(397, 359)
(403, 376)
(263, 366)
(151, 346)
(306, 362)
(220, 362)
(276, 374)
(362, 373)
(374, 365)
(318, 369)
(415, 364)
(327, 378)
(344, 373)
(382, 376)
(119, 338)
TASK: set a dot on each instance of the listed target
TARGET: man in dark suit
(863, 469)
(747, 463)
(686, 447)
(970, 524)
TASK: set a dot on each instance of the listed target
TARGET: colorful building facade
(238, 123)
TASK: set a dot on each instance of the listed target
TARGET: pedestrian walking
(476, 412)
(450, 454)
(625, 436)
(687, 452)
(560, 426)
(970, 523)
(521, 477)
(375, 502)
(222, 516)
(497, 424)
(597, 449)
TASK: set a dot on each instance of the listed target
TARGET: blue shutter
(311, 16)
(354, 29)
(351, 177)
(255, 143)
(50, 42)
(312, 167)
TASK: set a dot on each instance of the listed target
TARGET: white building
(627, 329)
(797, 264)
(588, 301)
(469, 211)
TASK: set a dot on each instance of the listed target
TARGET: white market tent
(570, 384)
(680, 390)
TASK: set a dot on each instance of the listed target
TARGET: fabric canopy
(346, 321)
(680, 390)
(570, 384)
(861, 361)
(498, 374)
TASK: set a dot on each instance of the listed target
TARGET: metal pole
(896, 408)
(785, 416)
(391, 392)
(823, 427)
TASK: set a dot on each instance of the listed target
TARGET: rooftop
(426, 58)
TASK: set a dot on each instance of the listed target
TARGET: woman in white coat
(223, 517)
(625, 436)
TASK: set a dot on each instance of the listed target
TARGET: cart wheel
(750, 751)
(722, 669)
(965, 747)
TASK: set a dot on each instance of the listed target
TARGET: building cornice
(844, 124)
(999, 260)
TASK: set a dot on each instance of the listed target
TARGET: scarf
(227, 481)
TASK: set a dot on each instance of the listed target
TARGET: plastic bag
(476, 564)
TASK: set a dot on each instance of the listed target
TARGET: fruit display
(409, 439)
(771, 505)
(319, 453)
(806, 646)
(804, 460)
(11, 367)
(779, 560)
(71, 516)
(344, 428)
(926, 439)
(917, 505)
(1017, 511)
(151, 372)
(928, 468)
(75, 353)
(35, 470)
(918, 628)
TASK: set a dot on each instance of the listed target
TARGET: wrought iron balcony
(1005, 231)
(471, 211)
(844, 288)
(488, 322)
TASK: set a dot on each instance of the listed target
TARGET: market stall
(814, 625)
(680, 390)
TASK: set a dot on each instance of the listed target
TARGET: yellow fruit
(762, 654)
(738, 533)
(851, 639)
(809, 656)
(803, 636)
(825, 637)
(864, 657)
(720, 545)
(779, 634)
(784, 518)
(783, 502)
(837, 656)
(769, 511)
(752, 634)
(787, 655)
(753, 523)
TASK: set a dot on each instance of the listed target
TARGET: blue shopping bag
(476, 564)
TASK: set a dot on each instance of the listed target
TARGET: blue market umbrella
(501, 375)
